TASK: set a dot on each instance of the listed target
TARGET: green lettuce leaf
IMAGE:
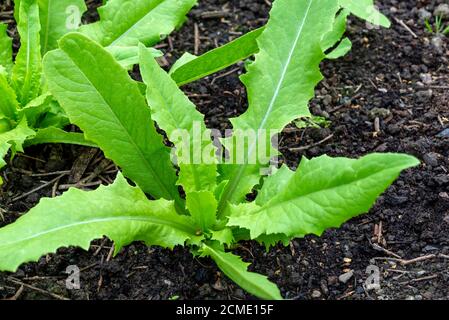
(280, 84)
(111, 112)
(323, 193)
(13, 140)
(236, 270)
(119, 211)
(202, 206)
(129, 56)
(341, 50)
(5, 48)
(16, 10)
(337, 32)
(58, 17)
(184, 125)
(8, 101)
(56, 135)
(36, 108)
(216, 59)
(223, 236)
(273, 184)
(128, 22)
(365, 9)
(184, 59)
(27, 71)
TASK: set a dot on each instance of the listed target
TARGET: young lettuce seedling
(108, 106)
(28, 112)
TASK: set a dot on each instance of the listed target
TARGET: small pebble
(438, 43)
(431, 159)
(443, 134)
(332, 280)
(426, 78)
(346, 276)
(427, 295)
(168, 283)
(429, 248)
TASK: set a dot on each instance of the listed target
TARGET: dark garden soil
(390, 94)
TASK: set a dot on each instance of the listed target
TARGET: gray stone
(429, 248)
(444, 134)
(438, 43)
(442, 179)
(332, 280)
(426, 78)
(397, 200)
(168, 282)
(431, 159)
(345, 277)
(316, 294)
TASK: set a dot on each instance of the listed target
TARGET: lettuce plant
(29, 114)
(211, 214)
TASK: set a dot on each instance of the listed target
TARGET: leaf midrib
(270, 205)
(235, 179)
(27, 67)
(237, 271)
(135, 24)
(148, 219)
(47, 27)
(141, 155)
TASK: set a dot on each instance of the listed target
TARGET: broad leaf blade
(217, 59)
(280, 82)
(202, 206)
(314, 200)
(184, 125)
(111, 112)
(271, 240)
(223, 236)
(341, 50)
(37, 107)
(27, 71)
(366, 10)
(236, 270)
(274, 184)
(8, 101)
(128, 22)
(56, 135)
(44, 112)
(5, 48)
(14, 140)
(120, 212)
(16, 10)
(337, 32)
(58, 17)
(129, 56)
